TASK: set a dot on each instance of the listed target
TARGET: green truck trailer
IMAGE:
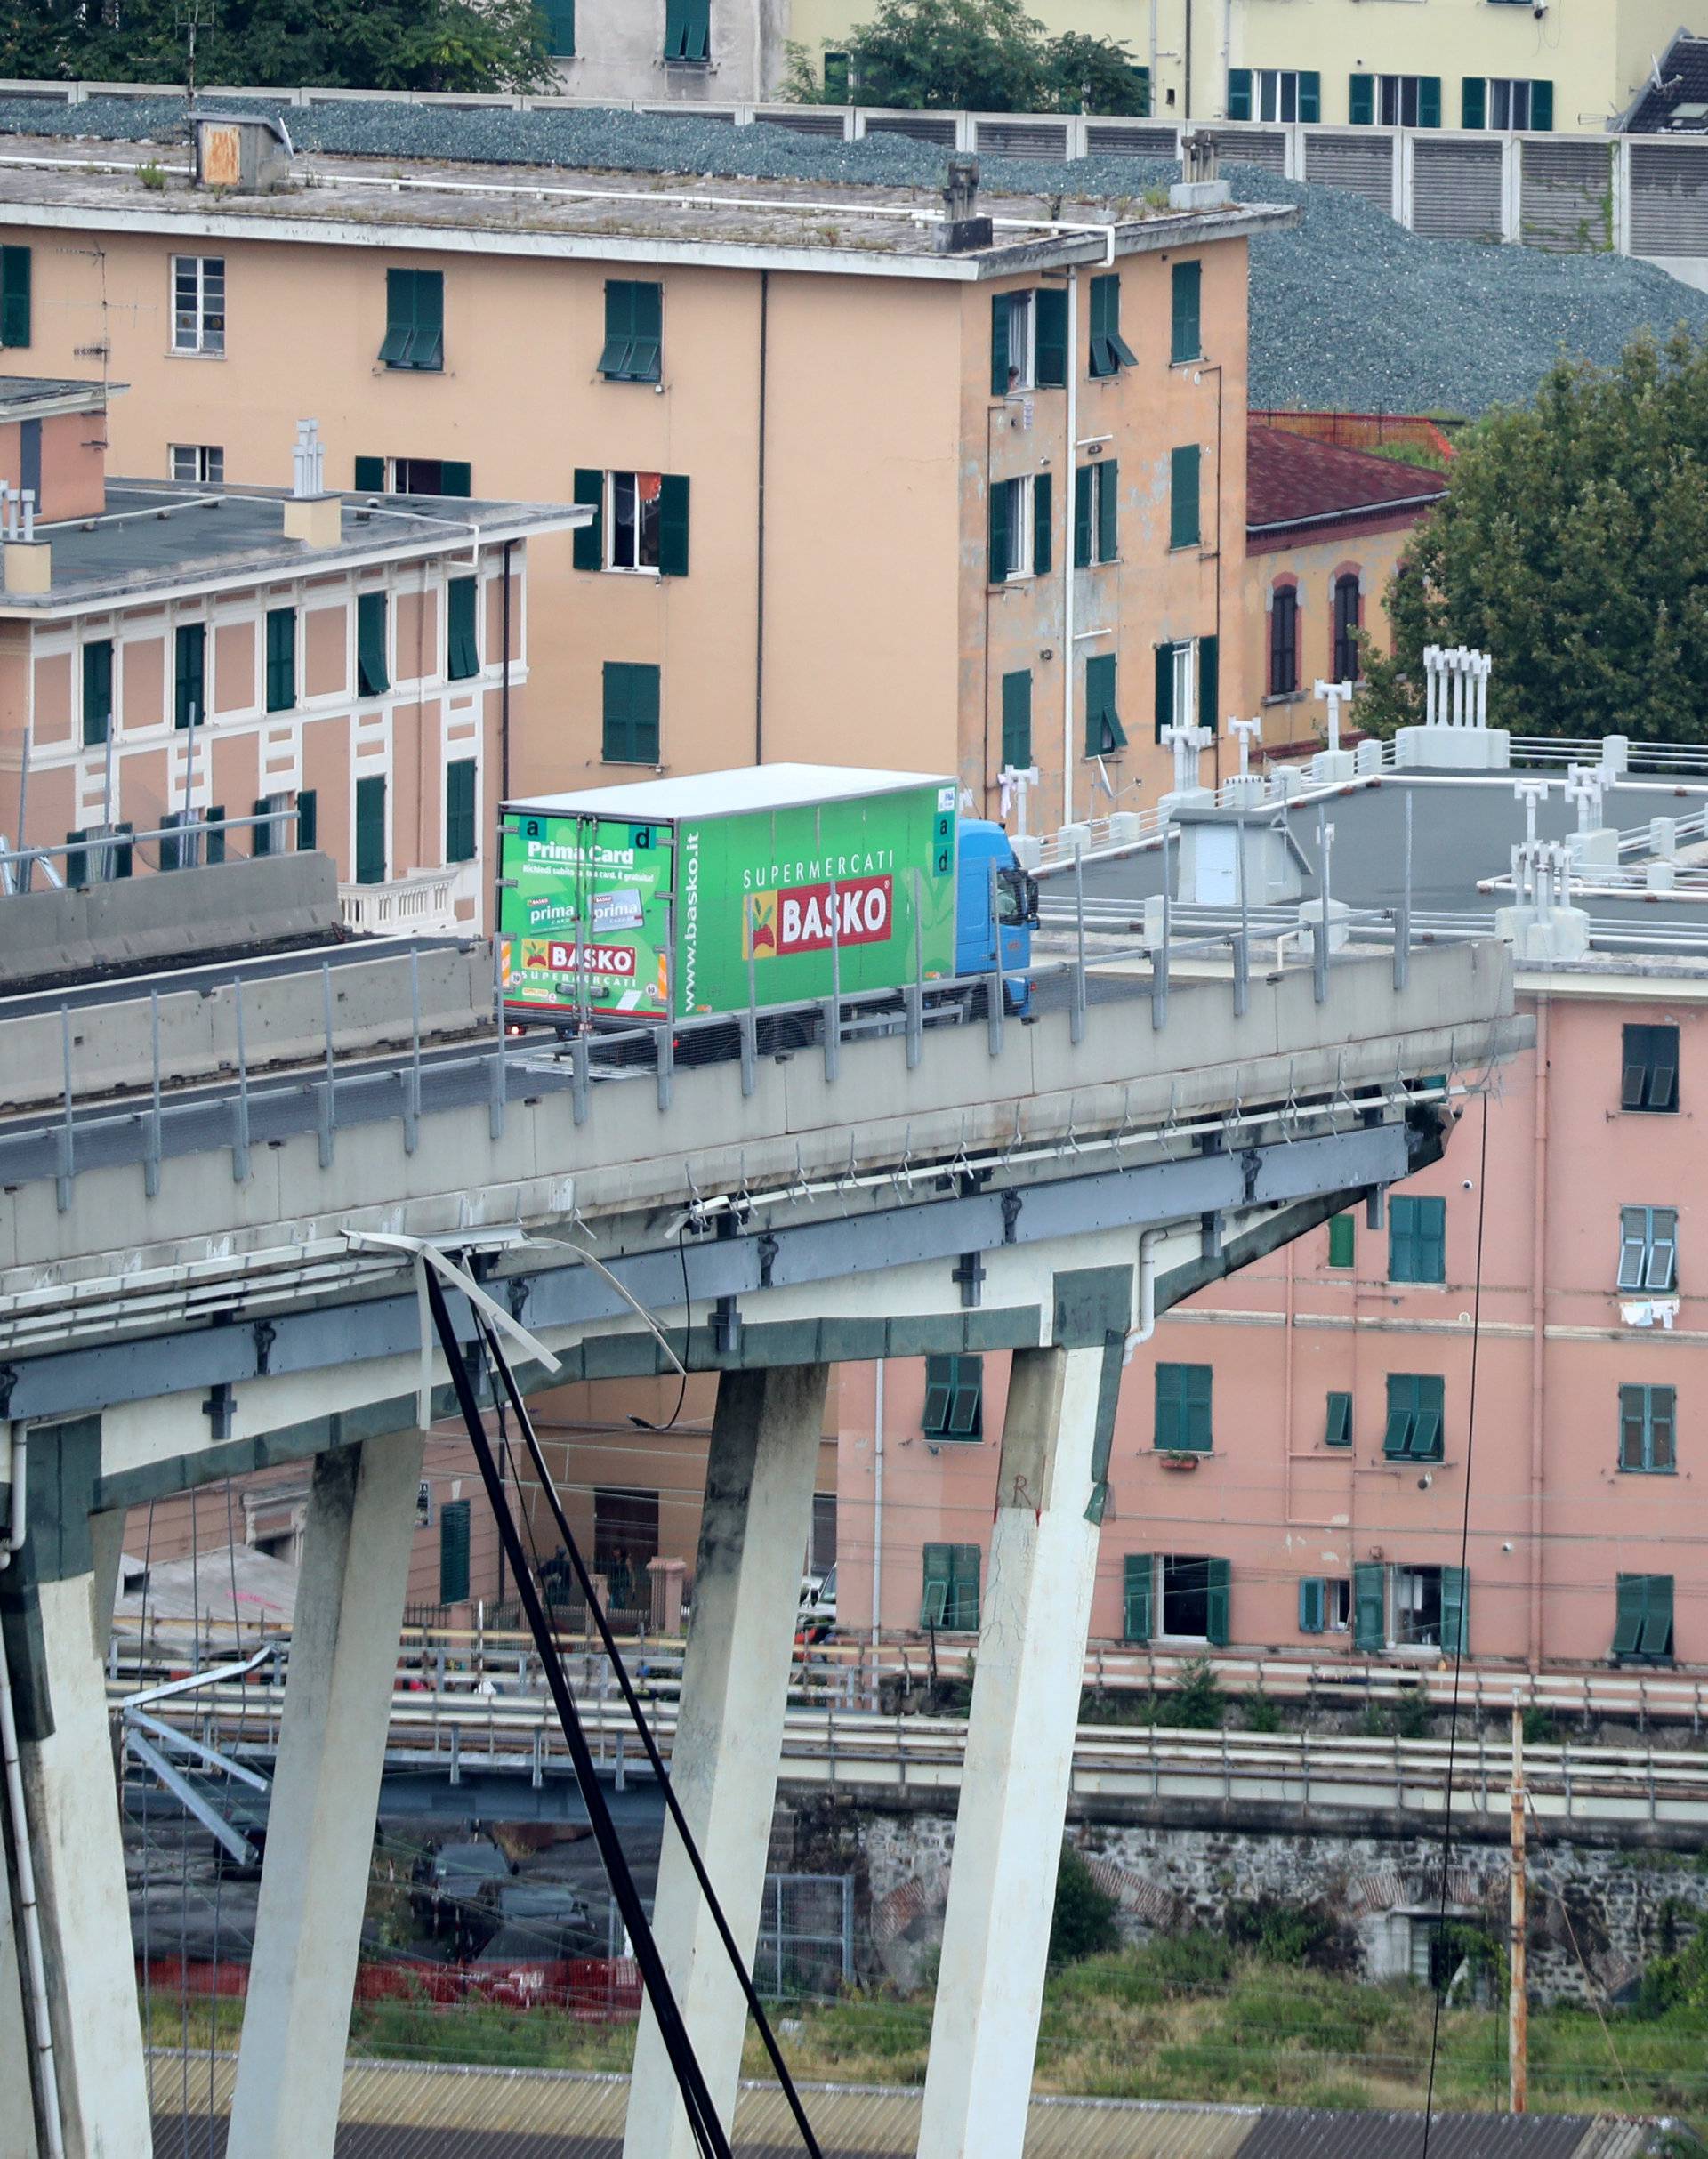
(674, 899)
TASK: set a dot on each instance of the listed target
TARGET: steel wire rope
(1463, 1630)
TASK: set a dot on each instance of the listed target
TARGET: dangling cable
(697, 2099)
(755, 2007)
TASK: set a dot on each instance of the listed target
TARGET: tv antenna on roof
(193, 15)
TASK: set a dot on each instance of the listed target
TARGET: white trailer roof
(708, 794)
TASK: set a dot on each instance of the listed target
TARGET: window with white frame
(1022, 341)
(1648, 1249)
(1337, 1603)
(1021, 515)
(633, 523)
(1398, 99)
(1514, 103)
(1275, 93)
(203, 463)
(1186, 680)
(198, 303)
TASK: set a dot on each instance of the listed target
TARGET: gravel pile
(1349, 311)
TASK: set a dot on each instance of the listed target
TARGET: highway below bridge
(218, 1210)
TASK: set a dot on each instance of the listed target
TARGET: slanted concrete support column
(1036, 1610)
(72, 1802)
(361, 1520)
(17, 2114)
(754, 1534)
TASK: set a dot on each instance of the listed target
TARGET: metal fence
(806, 1936)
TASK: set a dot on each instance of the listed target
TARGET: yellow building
(858, 496)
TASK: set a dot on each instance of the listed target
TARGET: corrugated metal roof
(1299, 2132)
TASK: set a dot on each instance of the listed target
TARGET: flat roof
(159, 537)
(623, 216)
(41, 396)
(710, 795)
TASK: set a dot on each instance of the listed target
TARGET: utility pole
(1517, 2010)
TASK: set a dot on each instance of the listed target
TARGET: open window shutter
(966, 1401)
(15, 296)
(1339, 1432)
(457, 476)
(1165, 688)
(429, 347)
(122, 851)
(1109, 511)
(1310, 95)
(373, 678)
(1369, 1607)
(999, 315)
(1628, 1615)
(1138, 1571)
(1313, 1596)
(672, 525)
(216, 831)
(1473, 102)
(308, 820)
(1000, 493)
(260, 836)
(1049, 337)
(1217, 1603)
(1104, 733)
(1239, 93)
(1429, 101)
(1455, 1611)
(370, 476)
(649, 315)
(76, 862)
(939, 1387)
(963, 1586)
(462, 650)
(1542, 108)
(1658, 1616)
(1361, 101)
(588, 547)
(1042, 517)
(1209, 680)
(1083, 517)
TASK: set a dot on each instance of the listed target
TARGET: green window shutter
(1429, 101)
(1110, 351)
(1658, 1616)
(1185, 522)
(1417, 1232)
(1049, 337)
(1083, 517)
(1342, 1241)
(1209, 681)
(308, 820)
(1220, 1598)
(1139, 1571)
(1402, 1415)
(97, 690)
(1339, 1430)
(1239, 93)
(189, 673)
(1104, 733)
(370, 476)
(1428, 1393)
(1109, 511)
(414, 319)
(1000, 499)
(260, 836)
(1632, 1426)
(281, 659)
(1663, 1423)
(15, 273)
(1310, 95)
(964, 1597)
(939, 1388)
(216, 831)
(453, 1552)
(1361, 101)
(934, 1597)
(1165, 688)
(373, 677)
(1184, 1409)
(999, 315)
(1313, 1601)
(455, 477)
(1186, 338)
(122, 852)
(77, 861)
(370, 831)
(1169, 1423)
(1455, 1611)
(1631, 1591)
(633, 330)
(954, 1397)
(1473, 102)
(1016, 718)
(672, 526)
(1197, 1409)
(400, 318)
(1042, 517)
(559, 27)
(630, 714)
(459, 810)
(1542, 108)
(1369, 1607)
(688, 24)
(461, 648)
(588, 545)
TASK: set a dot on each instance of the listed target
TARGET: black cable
(1464, 1628)
(697, 2099)
(738, 1962)
(645, 1424)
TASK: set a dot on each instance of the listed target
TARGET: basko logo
(564, 960)
(801, 920)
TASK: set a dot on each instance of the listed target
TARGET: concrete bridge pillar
(17, 2116)
(753, 1536)
(1036, 1610)
(361, 1520)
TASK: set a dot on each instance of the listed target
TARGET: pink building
(1297, 1469)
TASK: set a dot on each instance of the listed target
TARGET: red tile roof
(1291, 481)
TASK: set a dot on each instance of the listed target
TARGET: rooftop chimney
(311, 515)
(962, 228)
(1199, 187)
(29, 561)
(249, 153)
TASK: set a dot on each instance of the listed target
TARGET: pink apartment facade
(1295, 1446)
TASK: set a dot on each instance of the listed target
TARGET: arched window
(1283, 641)
(1349, 609)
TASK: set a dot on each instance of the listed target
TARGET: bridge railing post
(1159, 958)
(412, 1107)
(496, 1123)
(1403, 913)
(240, 1146)
(915, 993)
(580, 1077)
(664, 1039)
(1076, 1026)
(328, 1105)
(151, 1159)
(67, 1132)
(1243, 943)
(994, 1016)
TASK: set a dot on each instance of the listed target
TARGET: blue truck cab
(995, 900)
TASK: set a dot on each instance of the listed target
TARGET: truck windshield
(1017, 897)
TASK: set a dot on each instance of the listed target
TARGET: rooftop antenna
(192, 15)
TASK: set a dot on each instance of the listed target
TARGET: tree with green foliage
(977, 56)
(1572, 546)
(337, 44)
(1082, 1925)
